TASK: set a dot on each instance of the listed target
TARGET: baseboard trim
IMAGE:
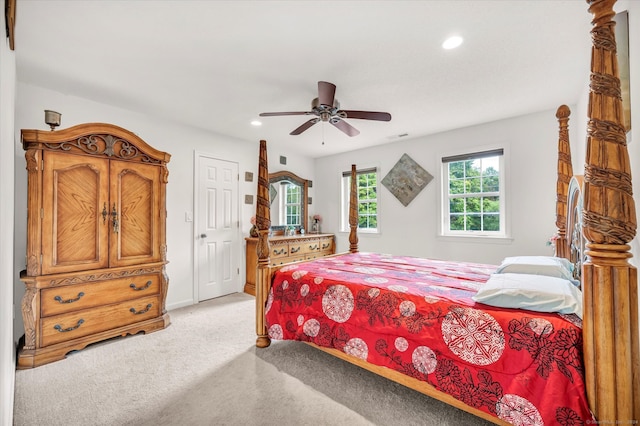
(180, 304)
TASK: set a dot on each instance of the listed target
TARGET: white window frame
(346, 190)
(477, 152)
(284, 204)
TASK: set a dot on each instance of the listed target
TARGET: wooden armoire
(96, 239)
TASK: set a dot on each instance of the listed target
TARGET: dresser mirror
(288, 195)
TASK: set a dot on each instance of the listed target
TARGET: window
(367, 188)
(292, 198)
(473, 194)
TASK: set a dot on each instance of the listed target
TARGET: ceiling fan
(327, 108)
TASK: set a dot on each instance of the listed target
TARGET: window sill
(484, 239)
(362, 233)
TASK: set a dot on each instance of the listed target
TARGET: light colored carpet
(204, 369)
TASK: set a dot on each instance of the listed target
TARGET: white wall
(532, 142)
(180, 142)
(7, 345)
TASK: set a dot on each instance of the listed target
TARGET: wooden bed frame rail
(609, 282)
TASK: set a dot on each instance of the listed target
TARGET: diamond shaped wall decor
(406, 179)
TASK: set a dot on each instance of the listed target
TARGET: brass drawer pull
(59, 299)
(313, 247)
(281, 251)
(144, 311)
(146, 286)
(295, 250)
(326, 246)
(64, 330)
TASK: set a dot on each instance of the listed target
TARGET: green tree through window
(367, 200)
(367, 188)
(474, 193)
(292, 204)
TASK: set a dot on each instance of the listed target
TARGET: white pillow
(539, 293)
(537, 265)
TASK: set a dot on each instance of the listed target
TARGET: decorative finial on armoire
(52, 118)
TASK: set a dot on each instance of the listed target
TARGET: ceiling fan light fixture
(256, 123)
(452, 42)
(326, 108)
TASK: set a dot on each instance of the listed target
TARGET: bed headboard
(574, 239)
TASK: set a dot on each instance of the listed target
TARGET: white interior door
(216, 226)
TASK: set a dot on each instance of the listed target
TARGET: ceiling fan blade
(273, 114)
(326, 93)
(345, 127)
(305, 126)
(368, 115)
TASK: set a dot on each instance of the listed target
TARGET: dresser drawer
(311, 256)
(311, 246)
(326, 245)
(296, 249)
(82, 323)
(303, 247)
(279, 250)
(58, 300)
(282, 260)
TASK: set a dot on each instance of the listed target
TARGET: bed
(509, 366)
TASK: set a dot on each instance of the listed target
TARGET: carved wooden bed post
(263, 223)
(353, 211)
(611, 348)
(565, 172)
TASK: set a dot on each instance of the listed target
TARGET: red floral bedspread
(416, 316)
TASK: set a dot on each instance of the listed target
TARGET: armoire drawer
(58, 300)
(60, 328)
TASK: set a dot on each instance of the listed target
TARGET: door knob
(203, 235)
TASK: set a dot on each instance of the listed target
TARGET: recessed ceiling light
(452, 42)
(256, 123)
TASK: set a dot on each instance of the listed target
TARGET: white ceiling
(218, 64)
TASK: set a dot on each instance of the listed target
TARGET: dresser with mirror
(289, 199)
(290, 240)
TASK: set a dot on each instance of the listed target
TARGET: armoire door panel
(74, 233)
(135, 224)
(136, 217)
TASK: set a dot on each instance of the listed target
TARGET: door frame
(194, 224)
